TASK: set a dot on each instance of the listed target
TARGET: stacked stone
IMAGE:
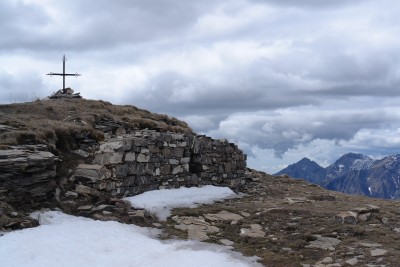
(27, 174)
(148, 160)
(217, 160)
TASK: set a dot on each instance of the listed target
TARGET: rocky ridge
(353, 174)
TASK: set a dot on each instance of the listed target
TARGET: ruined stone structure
(130, 164)
(149, 160)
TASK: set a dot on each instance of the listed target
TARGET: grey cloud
(15, 88)
(325, 4)
(289, 128)
(95, 24)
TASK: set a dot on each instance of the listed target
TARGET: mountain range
(353, 174)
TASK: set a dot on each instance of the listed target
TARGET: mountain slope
(306, 169)
(353, 174)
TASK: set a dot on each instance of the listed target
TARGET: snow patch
(160, 202)
(362, 164)
(64, 241)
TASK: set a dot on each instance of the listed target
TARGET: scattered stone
(322, 242)
(385, 220)
(255, 230)
(102, 207)
(85, 207)
(14, 214)
(373, 208)
(197, 233)
(352, 261)
(245, 214)
(223, 216)
(226, 242)
(81, 153)
(71, 194)
(137, 213)
(378, 252)
(346, 217)
(364, 217)
(361, 210)
(397, 230)
(296, 200)
(326, 260)
(197, 228)
(371, 245)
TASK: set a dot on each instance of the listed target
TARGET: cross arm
(63, 74)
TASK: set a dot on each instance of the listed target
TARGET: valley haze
(283, 79)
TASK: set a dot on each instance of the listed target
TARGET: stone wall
(27, 175)
(149, 160)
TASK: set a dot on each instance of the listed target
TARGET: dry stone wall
(149, 160)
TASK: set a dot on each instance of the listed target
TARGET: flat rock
(352, 261)
(347, 217)
(296, 200)
(137, 213)
(255, 230)
(326, 260)
(245, 214)
(197, 234)
(197, 228)
(378, 252)
(85, 207)
(364, 217)
(373, 208)
(226, 242)
(323, 242)
(371, 245)
(223, 216)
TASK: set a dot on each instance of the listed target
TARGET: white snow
(160, 202)
(361, 164)
(68, 241)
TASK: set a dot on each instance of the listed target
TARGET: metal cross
(63, 74)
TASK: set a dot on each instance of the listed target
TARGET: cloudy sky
(284, 79)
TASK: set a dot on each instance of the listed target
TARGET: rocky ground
(288, 222)
(283, 221)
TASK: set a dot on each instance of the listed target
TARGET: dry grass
(57, 122)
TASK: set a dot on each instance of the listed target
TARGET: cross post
(64, 74)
